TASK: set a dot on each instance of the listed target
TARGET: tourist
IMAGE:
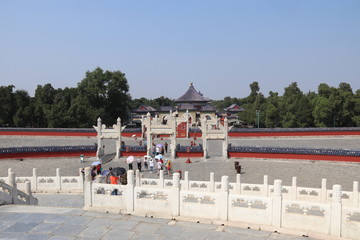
(138, 161)
(146, 163)
(114, 180)
(166, 147)
(151, 164)
(107, 176)
(93, 173)
(168, 166)
(159, 165)
(98, 169)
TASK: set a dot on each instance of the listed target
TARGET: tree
(106, 93)
(23, 115)
(7, 106)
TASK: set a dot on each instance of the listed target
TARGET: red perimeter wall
(47, 154)
(294, 156)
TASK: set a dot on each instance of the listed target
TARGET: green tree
(106, 94)
(23, 115)
(7, 106)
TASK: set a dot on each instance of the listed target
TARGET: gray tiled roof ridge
(191, 95)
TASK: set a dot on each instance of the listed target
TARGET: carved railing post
(277, 204)
(175, 195)
(224, 198)
(130, 191)
(335, 222)
(88, 191)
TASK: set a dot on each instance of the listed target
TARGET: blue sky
(162, 46)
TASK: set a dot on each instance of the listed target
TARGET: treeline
(105, 94)
(329, 107)
(101, 93)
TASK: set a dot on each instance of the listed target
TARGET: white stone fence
(9, 194)
(308, 211)
(52, 184)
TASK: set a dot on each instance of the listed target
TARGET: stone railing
(345, 129)
(57, 183)
(309, 211)
(9, 193)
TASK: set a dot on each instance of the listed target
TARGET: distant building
(192, 103)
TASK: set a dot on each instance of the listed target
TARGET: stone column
(118, 136)
(130, 191)
(88, 191)
(224, 198)
(173, 136)
(204, 136)
(175, 195)
(323, 191)
(185, 183)
(335, 222)
(265, 192)
(238, 184)
(212, 182)
(277, 204)
(34, 183)
(225, 141)
(137, 179)
(148, 133)
(161, 179)
(293, 192)
(100, 150)
(58, 180)
(355, 194)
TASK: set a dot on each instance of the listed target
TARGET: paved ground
(308, 173)
(63, 218)
(27, 222)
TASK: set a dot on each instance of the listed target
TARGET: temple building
(192, 104)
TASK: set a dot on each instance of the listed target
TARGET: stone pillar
(161, 179)
(277, 204)
(28, 188)
(211, 187)
(265, 192)
(238, 184)
(175, 195)
(355, 194)
(224, 198)
(335, 222)
(185, 184)
(147, 123)
(225, 141)
(323, 191)
(34, 182)
(293, 192)
(137, 179)
(58, 180)
(88, 191)
(11, 180)
(81, 179)
(130, 191)
(118, 140)
(100, 150)
(173, 136)
(204, 136)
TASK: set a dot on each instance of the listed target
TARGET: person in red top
(114, 180)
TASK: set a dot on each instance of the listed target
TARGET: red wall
(47, 154)
(293, 134)
(50, 133)
(294, 156)
(191, 154)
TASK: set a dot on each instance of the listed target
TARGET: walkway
(61, 221)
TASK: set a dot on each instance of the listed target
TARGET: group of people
(152, 164)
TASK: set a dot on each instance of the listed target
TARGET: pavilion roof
(192, 96)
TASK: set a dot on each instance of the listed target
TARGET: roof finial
(191, 84)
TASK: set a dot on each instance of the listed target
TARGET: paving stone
(21, 227)
(69, 230)
(125, 225)
(118, 234)
(45, 228)
(93, 232)
(101, 222)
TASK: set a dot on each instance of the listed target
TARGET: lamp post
(258, 117)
